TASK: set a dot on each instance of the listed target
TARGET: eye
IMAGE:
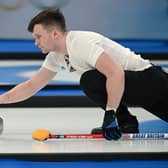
(38, 37)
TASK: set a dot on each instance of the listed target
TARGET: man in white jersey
(111, 75)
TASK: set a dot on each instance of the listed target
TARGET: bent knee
(92, 77)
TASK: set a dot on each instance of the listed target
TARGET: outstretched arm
(28, 88)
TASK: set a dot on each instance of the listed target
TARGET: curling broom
(43, 135)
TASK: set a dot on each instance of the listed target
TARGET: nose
(37, 42)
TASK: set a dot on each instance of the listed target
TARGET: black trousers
(147, 89)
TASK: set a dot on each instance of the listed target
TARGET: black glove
(110, 127)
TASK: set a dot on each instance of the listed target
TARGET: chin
(44, 52)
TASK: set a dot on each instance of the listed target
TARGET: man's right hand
(110, 126)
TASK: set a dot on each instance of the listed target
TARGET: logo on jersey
(70, 67)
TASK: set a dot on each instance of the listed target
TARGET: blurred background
(131, 19)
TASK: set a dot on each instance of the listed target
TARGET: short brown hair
(49, 18)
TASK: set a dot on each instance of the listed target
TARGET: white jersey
(84, 48)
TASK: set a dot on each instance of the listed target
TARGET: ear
(55, 34)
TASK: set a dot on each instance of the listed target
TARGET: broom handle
(99, 136)
(75, 136)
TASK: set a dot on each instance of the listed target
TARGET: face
(45, 39)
